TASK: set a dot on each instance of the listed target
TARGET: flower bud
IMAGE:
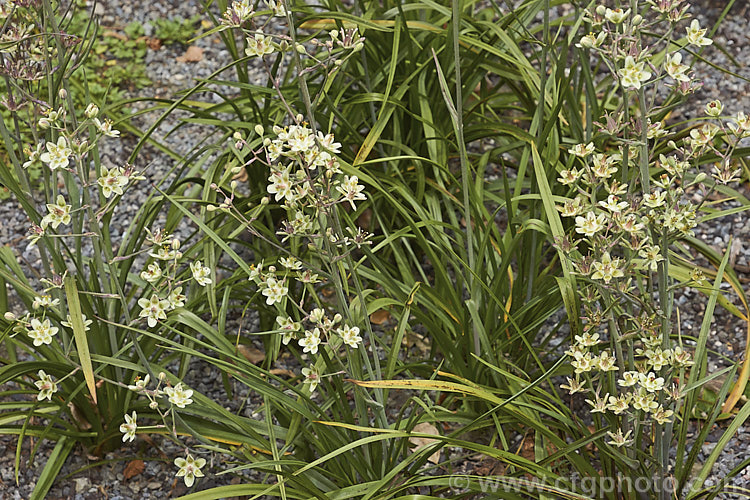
(62, 93)
(300, 48)
(92, 110)
(43, 123)
(153, 405)
(637, 19)
(265, 200)
(233, 185)
(9, 316)
(700, 178)
(175, 244)
(601, 9)
(259, 130)
(358, 46)
(237, 136)
(162, 376)
(299, 118)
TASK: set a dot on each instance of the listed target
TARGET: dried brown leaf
(192, 54)
(421, 442)
(133, 468)
(251, 354)
(379, 317)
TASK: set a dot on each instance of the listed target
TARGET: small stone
(153, 485)
(82, 484)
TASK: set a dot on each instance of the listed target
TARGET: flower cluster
(632, 190)
(162, 276)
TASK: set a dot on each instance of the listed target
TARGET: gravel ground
(157, 480)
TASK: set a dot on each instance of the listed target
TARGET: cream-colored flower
(47, 387)
(633, 74)
(259, 45)
(590, 224)
(129, 427)
(179, 395)
(41, 332)
(675, 68)
(190, 468)
(695, 34)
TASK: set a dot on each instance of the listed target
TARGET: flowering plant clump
(630, 198)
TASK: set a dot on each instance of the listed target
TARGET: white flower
(568, 177)
(238, 13)
(604, 166)
(616, 16)
(351, 190)
(651, 257)
(129, 427)
(274, 291)
(179, 395)
(44, 301)
(201, 274)
(311, 341)
(112, 181)
(277, 7)
(644, 401)
(695, 34)
(662, 416)
(587, 339)
(259, 45)
(105, 127)
(613, 204)
(291, 263)
(312, 377)
(590, 224)
(573, 386)
(714, 108)
(153, 309)
(86, 322)
(675, 69)
(42, 332)
(350, 335)
(59, 213)
(176, 298)
(592, 41)
(140, 383)
(607, 268)
(33, 155)
(607, 362)
(600, 405)
(618, 405)
(582, 150)
(47, 387)
(288, 328)
(655, 199)
(618, 439)
(628, 379)
(57, 154)
(190, 468)
(632, 74)
(152, 273)
(280, 185)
